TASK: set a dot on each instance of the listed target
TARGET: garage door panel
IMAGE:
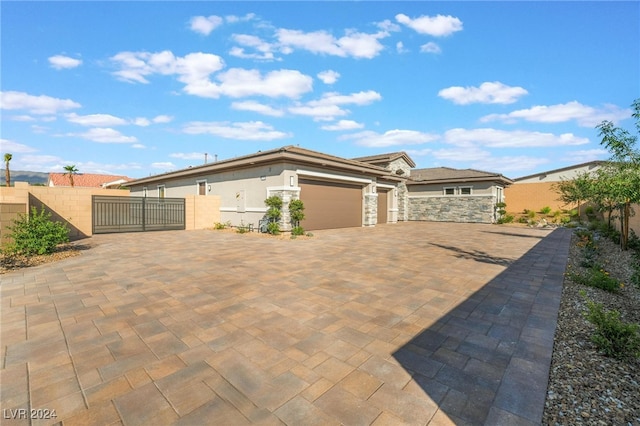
(330, 205)
(383, 206)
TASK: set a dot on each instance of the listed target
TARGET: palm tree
(7, 158)
(71, 170)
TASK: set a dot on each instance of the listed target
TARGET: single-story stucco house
(337, 192)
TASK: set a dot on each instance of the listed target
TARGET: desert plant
(36, 234)
(296, 212)
(507, 218)
(274, 213)
(220, 225)
(7, 173)
(545, 210)
(531, 214)
(613, 337)
(71, 170)
(273, 228)
(297, 230)
(595, 277)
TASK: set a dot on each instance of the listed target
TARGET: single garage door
(330, 205)
(383, 206)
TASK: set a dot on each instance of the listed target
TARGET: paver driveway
(421, 323)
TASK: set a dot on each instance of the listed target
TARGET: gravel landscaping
(585, 387)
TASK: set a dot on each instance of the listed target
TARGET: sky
(142, 88)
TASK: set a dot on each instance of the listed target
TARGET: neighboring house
(444, 194)
(90, 180)
(533, 192)
(336, 192)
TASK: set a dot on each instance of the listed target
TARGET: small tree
(71, 170)
(575, 191)
(274, 213)
(7, 174)
(296, 212)
(619, 179)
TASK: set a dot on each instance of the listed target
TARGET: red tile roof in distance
(84, 179)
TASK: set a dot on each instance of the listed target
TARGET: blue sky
(140, 88)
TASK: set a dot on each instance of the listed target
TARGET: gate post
(144, 214)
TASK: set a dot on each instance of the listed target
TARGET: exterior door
(383, 206)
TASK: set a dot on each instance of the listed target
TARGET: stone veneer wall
(287, 195)
(403, 210)
(370, 209)
(471, 209)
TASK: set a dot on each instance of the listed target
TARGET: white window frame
(162, 191)
(453, 188)
(460, 188)
(200, 182)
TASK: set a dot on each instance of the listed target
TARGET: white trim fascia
(283, 188)
(394, 210)
(332, 176)
(451, 196)
(384, 185)
(247, 210)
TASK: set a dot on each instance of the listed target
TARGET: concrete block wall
(532, 196)
(8, 213)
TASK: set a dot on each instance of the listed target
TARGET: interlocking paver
(416, 323)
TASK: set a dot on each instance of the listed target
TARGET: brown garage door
(383, 206)
(330, 205)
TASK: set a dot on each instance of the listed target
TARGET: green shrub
(219, 225)
(613, 337)
(273, 228)
(545, 210)
(531, 214)
(309, 234)
(595, 277)
(297, 230)
(36, 234)
(565, 220)
(296, 212)
(522, 219)
(507, 218)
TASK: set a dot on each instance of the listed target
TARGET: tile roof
(84, 179)
(444, 174)
(385, 158)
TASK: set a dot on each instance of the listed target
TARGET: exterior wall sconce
(209, 188)
(291, 180)
(263, 178)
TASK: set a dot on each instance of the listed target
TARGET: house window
(161, 191)
(465, 190)
(202, 187)
(449, 191)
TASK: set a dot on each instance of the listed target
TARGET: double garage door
(329, 205)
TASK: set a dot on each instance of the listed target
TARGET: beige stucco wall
(557, 176)
(71, 206)
(533, 196)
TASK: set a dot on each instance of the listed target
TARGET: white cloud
(96, 120)
(488, 93)
(264, 48)
(105, 135)
(430, 47)
(390, 138)
(238, 82)
(142, 122)
(252, 131)
(191, 69)
(166, 165)
(509, 164)
(400, 48)
(22, 118)
(188, 155)
(327, 108)
(583, 156)
(138, 146)
(343, 125)
(257, 107)
(389, 26)
(353, 44)
(35, 104)
(495, 138)
(584, 115)
(437, 26)
(329, 76)
(232, 19)
(60, 62)
(205, 24)
(162, 119)
(9, 146)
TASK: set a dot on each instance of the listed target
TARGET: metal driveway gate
(136, 214)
